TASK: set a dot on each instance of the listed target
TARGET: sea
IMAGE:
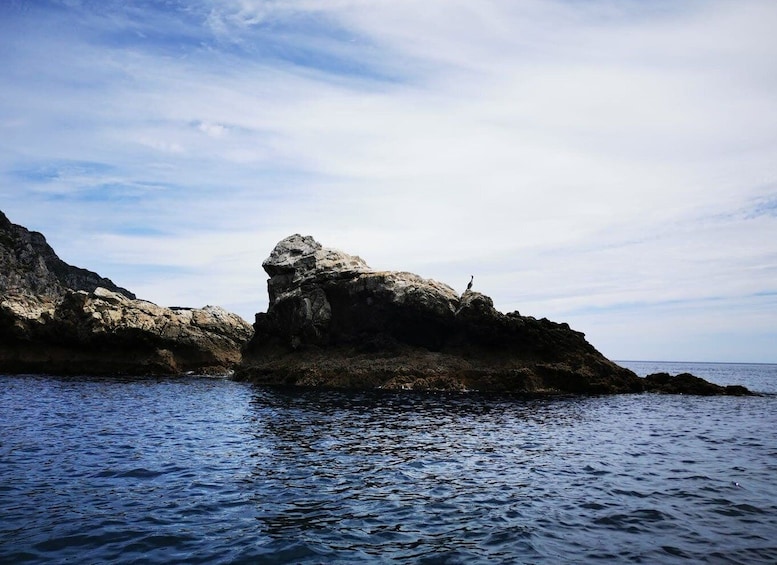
(209, 470)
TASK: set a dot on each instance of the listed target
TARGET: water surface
(213, 471)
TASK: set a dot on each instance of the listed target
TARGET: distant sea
(207, 470)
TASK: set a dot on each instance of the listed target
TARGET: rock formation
(31, 268)
(61, 319)
(333, 321)
(686, 383)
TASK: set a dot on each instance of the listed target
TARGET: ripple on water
(212, 471)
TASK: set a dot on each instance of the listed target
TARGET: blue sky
(608, 163)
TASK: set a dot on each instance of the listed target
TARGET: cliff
(333, 321)
(31, 267)
(56, 318)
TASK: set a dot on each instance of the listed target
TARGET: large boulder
(60, 319)
(321, 296)
(333, 321)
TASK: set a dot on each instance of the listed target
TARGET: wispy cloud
(596, 162)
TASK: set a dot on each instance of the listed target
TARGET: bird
(471, 278)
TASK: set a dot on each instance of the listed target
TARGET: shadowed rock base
(419, 369)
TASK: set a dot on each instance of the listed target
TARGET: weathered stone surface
(60, 319)
(686, 383)
(30, 267)
(333, 321)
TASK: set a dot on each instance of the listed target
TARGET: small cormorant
(471, 278)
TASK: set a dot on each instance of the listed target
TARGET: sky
(607, 163)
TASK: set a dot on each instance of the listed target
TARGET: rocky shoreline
(60, 319)
(332, 322)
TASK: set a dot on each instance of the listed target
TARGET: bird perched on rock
(471, 278)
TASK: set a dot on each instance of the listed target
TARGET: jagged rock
(30, 267)
(324, 296)
(60, 319)
(333, 321)
(686, 383)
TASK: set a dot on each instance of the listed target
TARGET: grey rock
(60, 319)
(30, 266)
(333, 321)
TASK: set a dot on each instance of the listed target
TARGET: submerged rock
(332, 321)
(60, 319)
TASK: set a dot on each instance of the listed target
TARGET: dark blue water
(204, 470)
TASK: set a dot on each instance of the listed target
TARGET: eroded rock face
(333, 321)
(321, 296)
(30, 267)
(47, 325)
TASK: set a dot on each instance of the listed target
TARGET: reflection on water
(398, 475)
(212, 471)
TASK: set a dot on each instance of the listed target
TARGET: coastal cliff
(30, 267)
(60, 319)
(333, 321)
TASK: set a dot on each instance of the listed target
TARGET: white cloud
(212, 130)
(592, 162)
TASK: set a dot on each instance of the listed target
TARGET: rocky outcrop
(60, 319)
(686, 383)
(333, 321)
(31, 267)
